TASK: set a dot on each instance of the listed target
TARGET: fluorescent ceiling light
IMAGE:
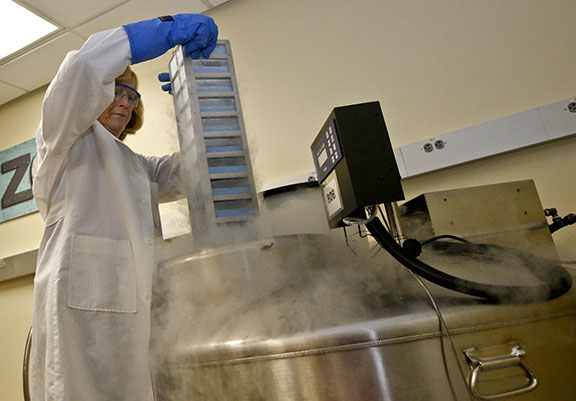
(20, 27)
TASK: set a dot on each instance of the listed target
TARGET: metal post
(394, 219)
(26, 366)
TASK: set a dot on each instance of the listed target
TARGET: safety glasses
(131, 94)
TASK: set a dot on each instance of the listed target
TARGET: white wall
(434, 66)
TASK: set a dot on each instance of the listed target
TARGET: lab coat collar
(109, 133)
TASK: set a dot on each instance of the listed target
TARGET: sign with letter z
(16, 197)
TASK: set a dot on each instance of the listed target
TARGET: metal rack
(220, 183)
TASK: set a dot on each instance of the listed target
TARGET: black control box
(354, 162)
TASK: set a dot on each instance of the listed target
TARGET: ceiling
(36, 64)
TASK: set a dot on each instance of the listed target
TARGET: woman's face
(117, 115)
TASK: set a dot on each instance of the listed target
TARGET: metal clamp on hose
(479, 363)
(356, 221)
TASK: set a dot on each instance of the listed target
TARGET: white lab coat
(93, 281)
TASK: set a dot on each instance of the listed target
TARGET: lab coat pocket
(102, 275)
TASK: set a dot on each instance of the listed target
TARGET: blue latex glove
(165, 77)
(151, 38)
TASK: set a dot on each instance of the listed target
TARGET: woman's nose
(124, 101)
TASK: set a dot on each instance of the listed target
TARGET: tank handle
(479, 361)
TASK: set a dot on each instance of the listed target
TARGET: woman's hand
(149, 39)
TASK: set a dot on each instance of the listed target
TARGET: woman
(95, 262)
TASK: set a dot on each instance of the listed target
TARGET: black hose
(556, 280)
(445, 236)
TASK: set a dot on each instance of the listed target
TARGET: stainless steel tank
(305, 317)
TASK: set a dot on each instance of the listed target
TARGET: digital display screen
(322, 157)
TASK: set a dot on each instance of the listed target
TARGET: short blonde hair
(137, 120)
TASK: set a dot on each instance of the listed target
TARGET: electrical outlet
(439, 144)
(415, 159)
(429, 147)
